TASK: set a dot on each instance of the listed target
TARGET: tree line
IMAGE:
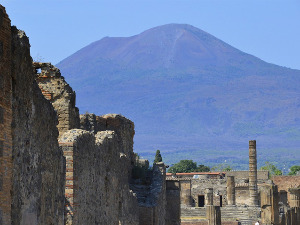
(188, 166)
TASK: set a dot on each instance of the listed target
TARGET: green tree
(273, 170)
(158, 157)
(202, 168)
(294, 170)
(187, 166)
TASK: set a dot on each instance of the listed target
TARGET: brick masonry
(5, 119)
(96, 191)
(60, 94)
(32, 165)
(284, 183)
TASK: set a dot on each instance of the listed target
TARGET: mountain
(191, 95)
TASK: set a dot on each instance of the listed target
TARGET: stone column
(209, 198)
(213, 213)
(294, 200)
(230, 190)
(253, 174)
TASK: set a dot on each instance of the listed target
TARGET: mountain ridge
(174, 79)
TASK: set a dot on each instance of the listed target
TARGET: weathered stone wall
(123, 127)
(242, 195)
(32, 188)
(219, 190)
(5, 118)
(240, 176)
(269, 204)
(284, 183)
(38, 163)
(291, 217)
(60, 94)
(98, 171)
(173, 202)
(185, 193)
(152, 198)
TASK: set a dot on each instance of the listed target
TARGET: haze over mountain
(191, 95)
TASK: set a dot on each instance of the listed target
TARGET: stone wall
(32, 187)
(242, 195)
(98, 172)
(284, 183)
(173, 202)
(219, 190)
(185, 193)
(262, 175)
(152, 198)
(38, 163)
(60, 94)
(269, 199)
(5, 118)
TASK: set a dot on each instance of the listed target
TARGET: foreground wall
(5, 118)
(33, 163)
(98, 172)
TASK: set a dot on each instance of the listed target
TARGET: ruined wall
(98, 171)
(60, 94)
(173, 202)
(242, 194)
(269, 204)
(38, 163)
(152, 208)
(5, 118)
(240, 176)
(185, 193)
(32, 187)
(219, 190)
(286, 182)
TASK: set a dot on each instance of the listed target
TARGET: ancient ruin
(237, 197)
(59, 167)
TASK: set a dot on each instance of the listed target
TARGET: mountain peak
(188, 93)
(169, 46)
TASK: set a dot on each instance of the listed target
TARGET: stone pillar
(294, 197)
(230, 190)
(213, 215)
(209, 198)
(253, 174)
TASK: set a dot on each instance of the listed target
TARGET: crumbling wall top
(72, 135)
(46, 70)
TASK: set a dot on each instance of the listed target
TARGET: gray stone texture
(101, 172)
(173, 202)
(152, 197)
(38, 163)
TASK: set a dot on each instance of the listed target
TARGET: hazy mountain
(190, 95)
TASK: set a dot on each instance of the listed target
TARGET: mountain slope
(190, 95)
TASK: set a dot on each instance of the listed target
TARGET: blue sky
(268, 29)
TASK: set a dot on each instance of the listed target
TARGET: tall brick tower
(253, 173)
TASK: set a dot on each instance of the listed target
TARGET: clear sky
(268, 29)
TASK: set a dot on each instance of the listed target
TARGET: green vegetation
(221, 167)
(158, 157)
(294, 170)
(273, 170)
(187, 166)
